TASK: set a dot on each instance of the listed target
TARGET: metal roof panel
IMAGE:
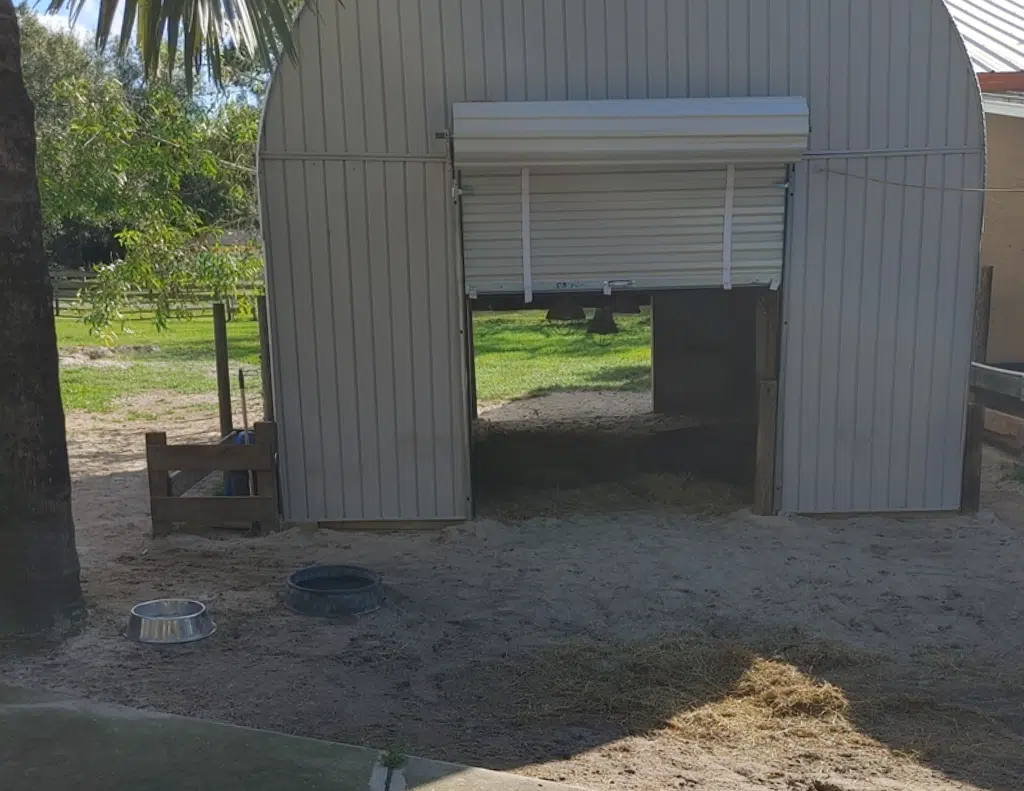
(993, 31)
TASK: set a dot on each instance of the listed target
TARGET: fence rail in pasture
(68, 299)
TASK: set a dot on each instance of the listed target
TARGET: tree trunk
(39, 583)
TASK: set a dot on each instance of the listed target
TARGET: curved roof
(993, 31)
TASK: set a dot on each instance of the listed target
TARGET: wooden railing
(175, 469)
(67, 300)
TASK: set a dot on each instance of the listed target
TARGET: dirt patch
(679, 494)
(639, 650)
(588, 409)
(90, 356)
(539, 449)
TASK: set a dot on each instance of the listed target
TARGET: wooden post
(474, 406)
(767, 333)
(970, 496)
(767, 372)
(982, 316)
(265, 374)
(974, 436)
(159, 481)
(266, 480)
(220, 347)
(764, 466)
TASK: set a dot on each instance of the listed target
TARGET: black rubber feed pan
(334, 591)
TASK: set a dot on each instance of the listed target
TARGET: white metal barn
(419, 153)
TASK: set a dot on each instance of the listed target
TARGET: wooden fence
(67, 301)
(175, 469)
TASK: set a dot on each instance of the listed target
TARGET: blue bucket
(236, 482)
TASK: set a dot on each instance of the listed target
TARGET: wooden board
(970, 498)
(220, 351)
(207, 458)
(998, 402)
(767, 324)
(764, 472)
(213, 511)
(183, 480)
(998, 380)
(982, 316)
(159, 481)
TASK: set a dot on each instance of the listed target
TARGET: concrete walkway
(52, 744)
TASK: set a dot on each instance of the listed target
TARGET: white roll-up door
(640, 230)
(492, 239)
(633, 132)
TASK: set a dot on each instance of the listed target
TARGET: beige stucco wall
(1002, 245)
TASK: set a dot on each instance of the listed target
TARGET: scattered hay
(784, 691)
(772, 706)
(749, 699)
(524, 468)
(709, 692)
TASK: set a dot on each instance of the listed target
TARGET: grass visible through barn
(518, 355)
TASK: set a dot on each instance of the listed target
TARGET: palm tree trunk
(39, 582)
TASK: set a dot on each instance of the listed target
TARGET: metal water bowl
(333, 591)
(169, 622)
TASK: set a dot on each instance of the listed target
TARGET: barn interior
(680, 429)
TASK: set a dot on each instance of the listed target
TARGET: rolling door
(623, 230)
(492, 232)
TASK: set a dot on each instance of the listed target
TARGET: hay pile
(710, 692)
(752, 700)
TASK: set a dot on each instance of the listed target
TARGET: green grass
(183, 340)
(519, 355)
(95, 389)
(183, 363)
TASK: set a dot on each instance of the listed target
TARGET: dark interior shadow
(510, 456)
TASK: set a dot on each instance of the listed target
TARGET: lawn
(517, 355)
(179, 359)
(521, 354)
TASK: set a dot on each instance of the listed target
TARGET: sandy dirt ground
(597, 410)
(614, 652)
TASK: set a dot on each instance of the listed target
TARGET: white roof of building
(994, 32)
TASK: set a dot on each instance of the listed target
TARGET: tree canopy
(130, 168)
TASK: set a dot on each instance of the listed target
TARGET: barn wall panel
(877, 342)
(364, 317)
(882, 239)
(402, 65)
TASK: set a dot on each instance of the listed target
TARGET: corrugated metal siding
(880, 76)
(993, 31)
(878, 317)
(389, 80)
(367, 370)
